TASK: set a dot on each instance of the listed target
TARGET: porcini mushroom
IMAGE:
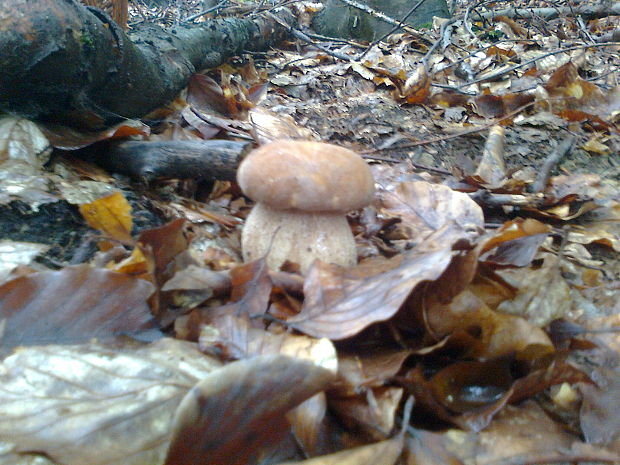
(303, 190)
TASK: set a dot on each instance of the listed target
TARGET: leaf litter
(468, 274)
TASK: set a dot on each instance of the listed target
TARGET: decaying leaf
(380, 453)
(95, 404)
(238, 413)
(433, 214)
(73, 305)
(338, 305)
(543, 294)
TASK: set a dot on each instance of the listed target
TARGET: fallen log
(64, 62)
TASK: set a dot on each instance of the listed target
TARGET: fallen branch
(586, 11)
(542, 178)
(208, 159)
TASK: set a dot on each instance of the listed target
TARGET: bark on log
(201, 160)
(65, 62)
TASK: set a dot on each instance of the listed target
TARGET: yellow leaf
(111, 215)
(595, 145)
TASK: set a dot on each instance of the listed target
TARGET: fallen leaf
(74, 304)
(380, 453)
(542, 294)
(238, 412)
(518, 435)
(338, 305)
(432, 214)
(111, 215)
(95, 404)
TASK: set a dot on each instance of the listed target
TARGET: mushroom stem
(298, 236)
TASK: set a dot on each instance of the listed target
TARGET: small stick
(542, 178)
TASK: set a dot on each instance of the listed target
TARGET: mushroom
(303, 190)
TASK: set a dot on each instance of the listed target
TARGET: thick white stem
(297, 236)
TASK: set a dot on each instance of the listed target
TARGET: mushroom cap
(307, 176)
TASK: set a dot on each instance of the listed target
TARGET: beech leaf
(338, 305)
(97, 405)
(238, 412)
(73, 305)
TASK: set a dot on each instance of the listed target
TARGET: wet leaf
(433, 394)
(74, 304)
(223, 419)
(94, 404)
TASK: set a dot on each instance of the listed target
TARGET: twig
(488, 199)
(386, 19)
(587, 12)
(300, 35)
(453, 136)
(204, 12)
(415, 165)
(391, 31)
(542, 178)
(503, 72)
(443, 31)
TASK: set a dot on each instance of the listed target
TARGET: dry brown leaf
(338, 305)
(498, 334)
(599, 416)
(367, 369)
(23, 147)
(491, 170)
(97, 405)
(417, 86)
(111, 215)
(433, 215)
(67, 138)
(380, 453)
(542, 294)
(245, 341)
(74, 304)
(523, 434)
(234, 337)
(237, 413)
(307, 421)
(603, 228)
(371, 412)
(515, 229)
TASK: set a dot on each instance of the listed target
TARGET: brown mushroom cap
(307, 176)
